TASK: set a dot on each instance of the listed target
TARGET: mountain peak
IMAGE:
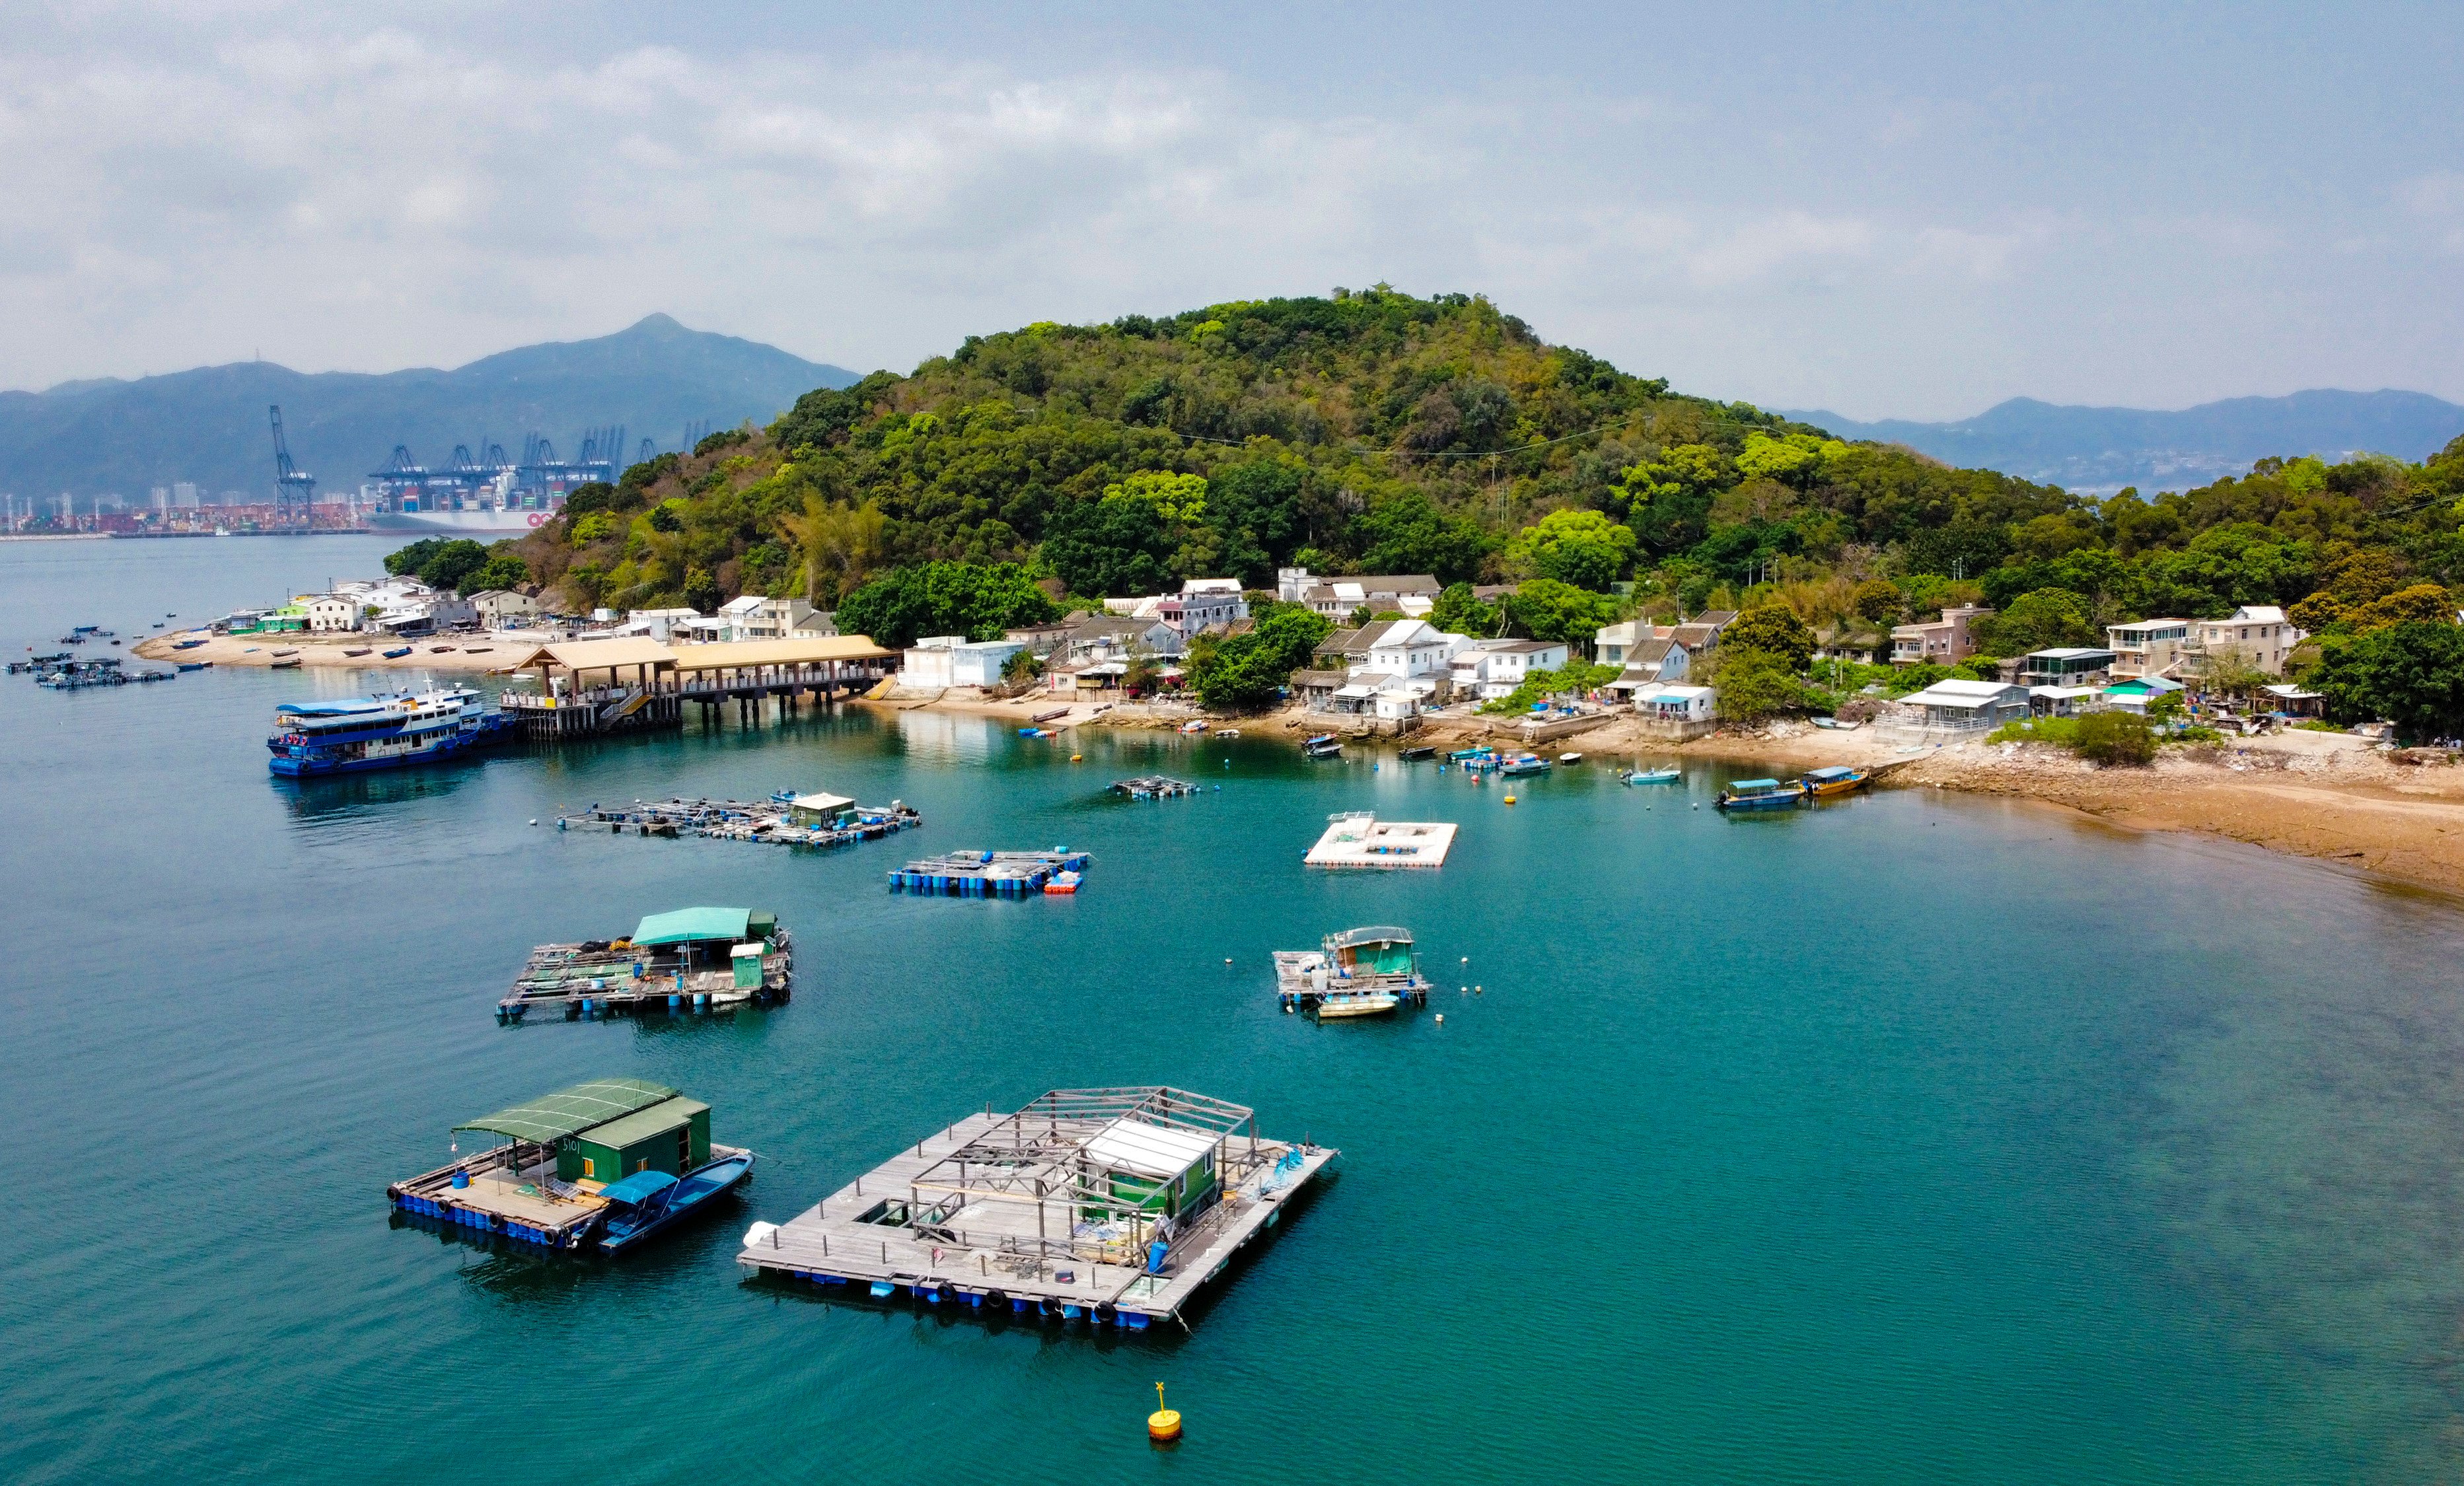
(657, 322)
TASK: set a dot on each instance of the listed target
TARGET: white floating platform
(1358, 839)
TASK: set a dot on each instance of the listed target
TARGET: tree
(501, 570)
(2113, 737)
(1458, 611)
(2412, 674)
(1576, 677)
(438, 562)
(1583, 548)
(840, 544)
(1878, 601)
(945, 599)
(1771, 629)
(1545, 608)
(2045, 620)
(2425, 604)
(1248, 670)
(1754, 685)
(1407, 533)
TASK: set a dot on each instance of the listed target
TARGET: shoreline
(2326, 797)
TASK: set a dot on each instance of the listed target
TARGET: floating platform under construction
(1153, 786)
(1112, 1207)
(989, 874)
(1358, 839)
(693, 961)
(785, 818)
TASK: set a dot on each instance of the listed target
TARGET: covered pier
(594, 688)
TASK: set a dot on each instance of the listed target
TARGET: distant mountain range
(2101, 450)
(208, 426)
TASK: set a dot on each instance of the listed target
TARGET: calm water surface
(1914, 1138)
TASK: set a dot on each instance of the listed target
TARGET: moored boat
(1358, 973)
(1569, 759)
(1521, 764)
(395, 655)
(649, 1202)
(381, 732)
(196, 664)
(1413, 755)
(1326, 745)
(1822, 783)
(1649, 776)
(1760, 795)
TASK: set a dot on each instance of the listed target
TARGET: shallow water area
(1907, 1137)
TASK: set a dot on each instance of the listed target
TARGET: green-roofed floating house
(603, 1164)
(685, 962)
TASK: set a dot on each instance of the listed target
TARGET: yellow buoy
(1509, 799)
(1164, 1424)
(1077, 758)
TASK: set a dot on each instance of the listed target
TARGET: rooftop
(552, 1117)
(693, 926)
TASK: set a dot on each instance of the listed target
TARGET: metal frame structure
(1038, 1158)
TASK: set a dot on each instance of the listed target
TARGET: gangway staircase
(623, 707)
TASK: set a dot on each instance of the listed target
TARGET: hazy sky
(1881, 211)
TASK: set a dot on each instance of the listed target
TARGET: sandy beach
(480, 654)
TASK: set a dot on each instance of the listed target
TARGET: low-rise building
(498, 606)
(1338, 598)
(818, 625)
(2136, 693)
(1120, 637)
(1410, 649)
(1492, 669)
(331, 614)
(1946, 640)
(1677, 711)
(2070, 666)
(2063, 701)
(2258, 634)
(759, 616)
(661, 623)
(2148, 647)
(1614, 643)
(1203, 604)
(956, 661)
(1966, 706)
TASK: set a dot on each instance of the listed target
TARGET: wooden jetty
(1153, 786)
(987, 874)
(691, 962)
(785, 818)
(649, 683)
(1111, 1206)
(543, 1189)
(1358, 839)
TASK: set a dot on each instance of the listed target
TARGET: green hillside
(1372, 431)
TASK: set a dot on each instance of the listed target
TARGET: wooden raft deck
(998, 1257)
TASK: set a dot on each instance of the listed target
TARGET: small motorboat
(439, 649)
(1413, 755)
(1336, 1004)
(476, 649)
(1568, 760)
(279, 654)
(395, 655)
(1063, 885)
(647, 1203)
(1227, 732)
(185, 644)
(1822, 783)
(359, 649)
(1648, 776)
(1760, 795)
(196, 664)
(1326, 745)
(158, 623)
(1194, 725)
(292, 664)
(1522, 764)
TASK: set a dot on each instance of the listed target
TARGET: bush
(1539, 686)
(2111, 738)
(1754, 684)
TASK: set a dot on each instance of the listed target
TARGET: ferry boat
(381, 732)
(1367, 971)
(1822, 783)
(1760, 795)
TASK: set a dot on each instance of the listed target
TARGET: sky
(1881, 211)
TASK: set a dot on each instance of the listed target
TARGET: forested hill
(1367, 432)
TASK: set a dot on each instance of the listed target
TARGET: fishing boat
(1521, 764)
(196, 664)
(1367, 971)
(358, 650)
(439, 649)
(292, 664)
(381, 732)
(395, 655)
(1569, 760)
(1823, 783)
(1649, 776)
(1760, 795)
(1326, 745)
(158, 623)
(185, 644)
(278, 654)
(647, 1202)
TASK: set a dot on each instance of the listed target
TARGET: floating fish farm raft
(1114, 1207)
(693, 961)
(1358, 839)
(785, 818)
(1153, 786)
(989, 874)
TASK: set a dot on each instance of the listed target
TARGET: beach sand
(326, 650)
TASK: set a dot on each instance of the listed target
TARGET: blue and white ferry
(382, 731)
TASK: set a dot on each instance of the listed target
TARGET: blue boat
(647, 1203)
(365, 733)
(1649, 776)
(395, 655)
(1760, 795)
(1522, 764)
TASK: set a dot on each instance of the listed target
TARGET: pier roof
(552, 1117)
(692, 926)
(721, 655)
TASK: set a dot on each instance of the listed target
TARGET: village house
(942, 661)
(1653, 663)
(1965, 706)
(2258, 634)
(1675, 711)
(497, 607)
(330, 613)
(1946, 640)
(1203, 604)
(2071, 666)
(755, 617)
(817, 624)
(1486, 670)
(1338, 598)
(1121, 636)
(2148, 647)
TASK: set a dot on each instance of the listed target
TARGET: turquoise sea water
(1914, 1138)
